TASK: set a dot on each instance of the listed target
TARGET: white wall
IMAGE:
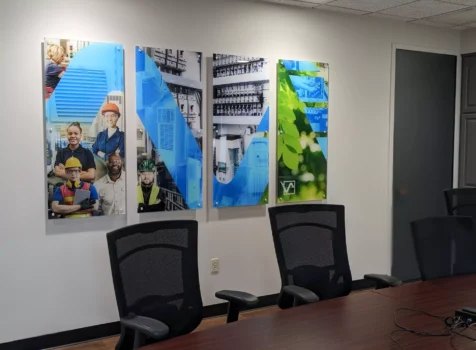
(468, 41)
(61, 281)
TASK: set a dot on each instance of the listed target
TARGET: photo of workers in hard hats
(112, 187)
(65, 200)
(149, 195)
(84, 123)
(110, 140)
(169, 90)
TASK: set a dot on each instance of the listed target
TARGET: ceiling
(455, 14)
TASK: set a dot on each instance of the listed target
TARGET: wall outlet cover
(215, 265)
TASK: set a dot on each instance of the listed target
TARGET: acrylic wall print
(240, 130)
(84, 122)
(303, 102)
(169, 129)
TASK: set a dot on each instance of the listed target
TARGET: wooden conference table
(362, 320)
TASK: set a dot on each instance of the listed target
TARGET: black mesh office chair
(155, 274)
(444, 246)
(311, 251)
(461, 202)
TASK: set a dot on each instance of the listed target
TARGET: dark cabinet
(467, 161)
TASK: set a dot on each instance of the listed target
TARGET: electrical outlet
(215, 265)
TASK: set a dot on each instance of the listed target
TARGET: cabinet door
(467, 163)
(468, 92)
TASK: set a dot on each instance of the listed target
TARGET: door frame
(391, 126)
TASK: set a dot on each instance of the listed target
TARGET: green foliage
(290, 158)
(298, 153)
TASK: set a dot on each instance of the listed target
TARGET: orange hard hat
(110, 107)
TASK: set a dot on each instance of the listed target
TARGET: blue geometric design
(317, 117)
(310, 89)
(323, 143)
(251, 178)
(300, 66)
(264, 123)
(313, 90)
(168, 131)
(92, 74)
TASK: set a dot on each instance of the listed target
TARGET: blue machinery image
(240, 130)
(175, 138)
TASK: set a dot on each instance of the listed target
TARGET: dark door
(425, 86)
(468, 91)
(467, 160)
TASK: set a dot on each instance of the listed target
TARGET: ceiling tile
(319, 2)
(460, 27)
(471, 24)
(423, 9)
(458, 17)
(369, 5)
(430, 23)
(293, 3)
(394, 18)
(462, 2)
(303, 3)
(340, 9)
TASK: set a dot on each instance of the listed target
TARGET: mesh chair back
(155, 273)
(311, 249)
(461, 202)
(444, 246)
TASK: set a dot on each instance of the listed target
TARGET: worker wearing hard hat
(110, 140)
(63, 198)
(149, 195)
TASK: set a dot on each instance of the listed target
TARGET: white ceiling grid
(455, 14)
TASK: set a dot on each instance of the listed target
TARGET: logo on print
(289, 187)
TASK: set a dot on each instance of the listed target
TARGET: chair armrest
(383, 281)
(147, 326)
(301, 295)
(241, 299)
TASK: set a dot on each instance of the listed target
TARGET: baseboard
(113, 328)
(64, 338)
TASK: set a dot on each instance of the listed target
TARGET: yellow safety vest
(68, 198)
(76, 216)
(153, 195)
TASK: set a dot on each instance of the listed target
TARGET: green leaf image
(293, 143)
(290, 158)
(290, 128)
(285, 113)
(297, 162)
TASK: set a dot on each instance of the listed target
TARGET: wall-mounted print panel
(84, 122)
(240, 130)
(303, 102)
(169, 129)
